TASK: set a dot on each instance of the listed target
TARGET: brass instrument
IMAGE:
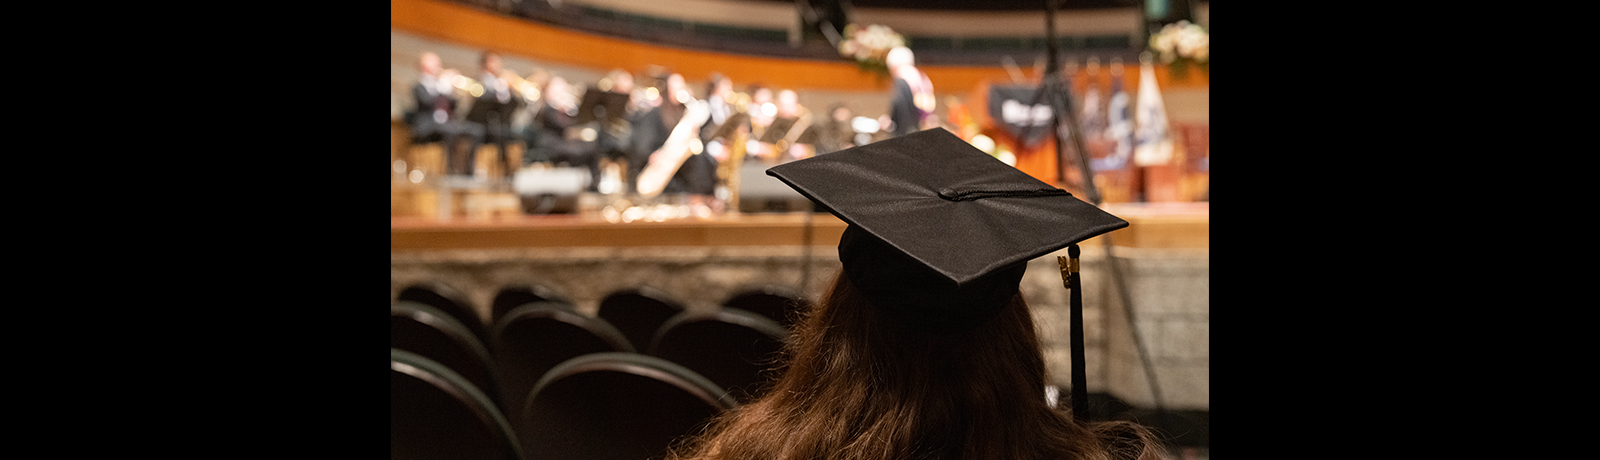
(468, 86)
(730, 174)
(683, 142)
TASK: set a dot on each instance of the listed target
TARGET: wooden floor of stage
(492, 218)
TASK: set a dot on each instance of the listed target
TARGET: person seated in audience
(434, 117)
(898, 360)
(492, 110)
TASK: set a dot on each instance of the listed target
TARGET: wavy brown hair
(857, 385)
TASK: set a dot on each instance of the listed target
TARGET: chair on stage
(450, 300)
(436, 414)
(616, 406)
(780, 303)
(516, 295)
(429, 332)
(534, 337)
(638, 312)
(736, 349)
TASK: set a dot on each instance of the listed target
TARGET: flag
(1094, 119)
(1119, 128)
(1153, 134)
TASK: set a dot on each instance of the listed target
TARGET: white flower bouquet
(1183, 43)
(869, 45)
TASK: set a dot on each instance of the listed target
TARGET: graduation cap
(940, 232)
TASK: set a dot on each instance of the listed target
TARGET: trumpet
(472, 87)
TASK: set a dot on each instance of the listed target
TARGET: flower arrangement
(869, 45)
(1182, 43)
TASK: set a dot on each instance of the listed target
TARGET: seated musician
(763, 111)
(696, 174)
(492, 110)
(434, 118)
(794, 119)
(555, 134)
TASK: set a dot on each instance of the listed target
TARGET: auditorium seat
(435, 414)
(450, 300)
(780, 303)
(735, 349)
(533, 338)
(616, 406)
(516, 295)
(638, 312)
(428, 332)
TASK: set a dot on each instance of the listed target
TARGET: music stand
(725, 130)
(602, 106)
(1053, 88)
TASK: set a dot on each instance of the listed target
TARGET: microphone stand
(1053, 89)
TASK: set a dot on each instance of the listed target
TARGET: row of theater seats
(542, 380)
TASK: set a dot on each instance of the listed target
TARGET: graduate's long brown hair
(857, 385)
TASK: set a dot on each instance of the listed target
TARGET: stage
(479, 242)
(484, 218)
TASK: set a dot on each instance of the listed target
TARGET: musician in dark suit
(492, 111)
(554, 133)
(835, 133)
(698, 173)
(434, 117)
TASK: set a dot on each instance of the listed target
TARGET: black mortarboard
(940, 232)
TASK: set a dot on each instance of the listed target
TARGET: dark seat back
(735, 349)
(782, 304)
(638, 313)
(426, 331)
(616, 406)
(449, 300)
(516, 295)
(533, 338)
(435, 414)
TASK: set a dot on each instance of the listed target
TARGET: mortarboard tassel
(1069, 278)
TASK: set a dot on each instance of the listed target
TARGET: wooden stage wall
(1166, 226)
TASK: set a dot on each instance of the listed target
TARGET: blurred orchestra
(651, 138)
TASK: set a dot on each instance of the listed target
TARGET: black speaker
(551, 190)
(759, 192)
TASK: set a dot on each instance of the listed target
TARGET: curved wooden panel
(476, 28)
